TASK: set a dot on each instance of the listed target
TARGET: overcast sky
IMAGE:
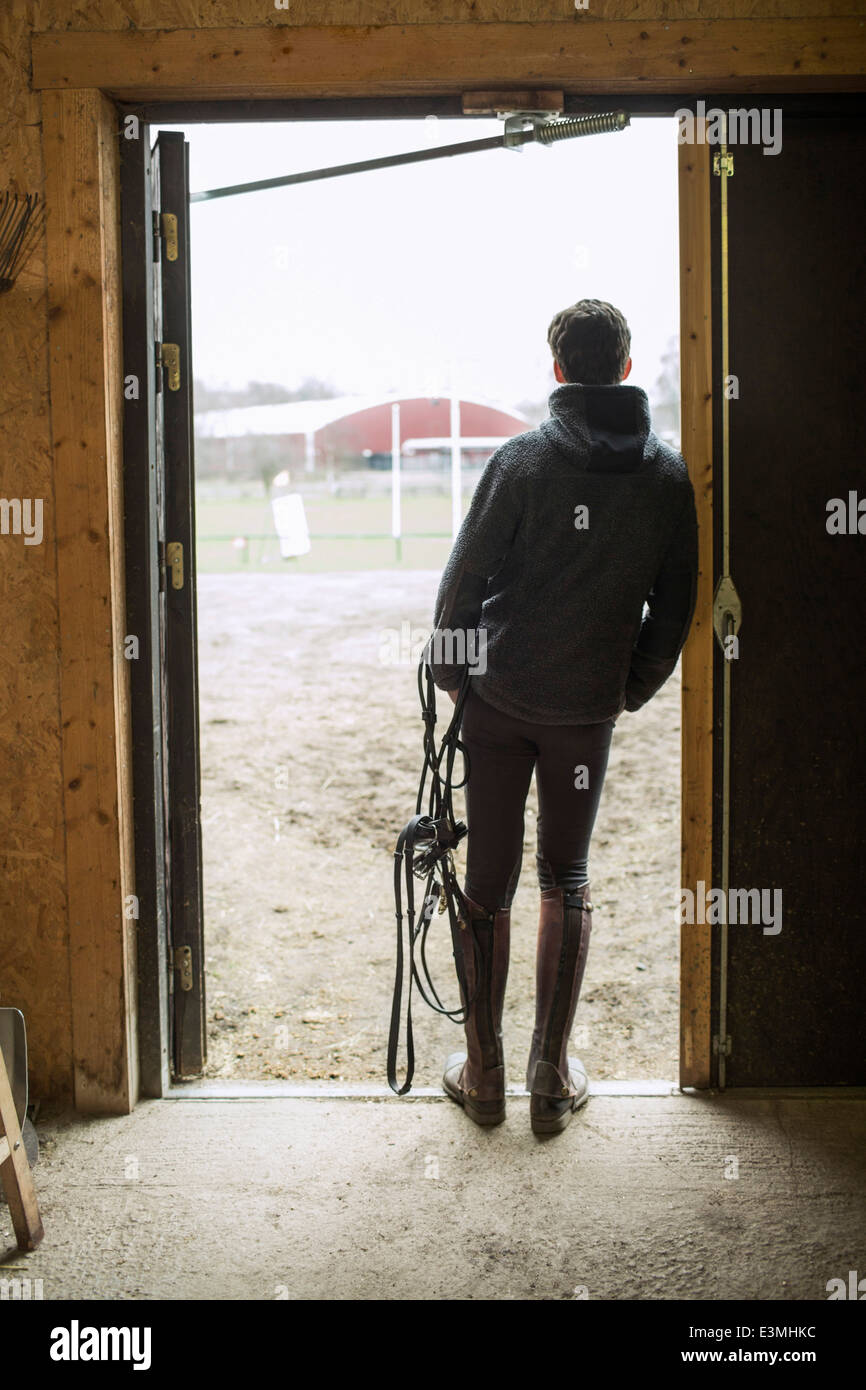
(393, 280)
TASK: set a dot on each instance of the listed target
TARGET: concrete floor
(325, 1198)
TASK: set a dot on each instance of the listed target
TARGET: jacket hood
(604, 428)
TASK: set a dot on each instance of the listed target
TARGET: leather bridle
(425, 851)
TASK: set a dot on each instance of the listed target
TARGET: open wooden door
(161, 604)
(175, 504)
(775, 1001)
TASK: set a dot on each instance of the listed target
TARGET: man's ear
(557, 372)
(627, 369)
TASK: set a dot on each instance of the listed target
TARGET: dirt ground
(311, 753)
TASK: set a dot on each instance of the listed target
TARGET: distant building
(355, 431)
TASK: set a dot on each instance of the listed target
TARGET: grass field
(340, 531)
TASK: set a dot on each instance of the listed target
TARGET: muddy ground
(310, 760)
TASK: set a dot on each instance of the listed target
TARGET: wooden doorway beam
(79, 140)
(586, 55)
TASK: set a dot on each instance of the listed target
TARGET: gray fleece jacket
(573, 529)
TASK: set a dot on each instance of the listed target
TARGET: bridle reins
(425, 851)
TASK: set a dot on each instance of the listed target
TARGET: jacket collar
(604, 428)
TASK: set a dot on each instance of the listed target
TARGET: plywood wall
(66, 952)
(34, 955)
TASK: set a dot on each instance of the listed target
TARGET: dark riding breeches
(570, 761)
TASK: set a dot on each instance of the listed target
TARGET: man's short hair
(590, 340)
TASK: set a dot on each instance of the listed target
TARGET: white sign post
(456, 488)
(396, 519)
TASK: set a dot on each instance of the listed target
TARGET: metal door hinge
(183, 965)
(174, 562)
(168, 224)
(726, 605)
(722, 1049)
(724, 164)
(168, 356)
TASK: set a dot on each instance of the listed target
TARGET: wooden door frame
(81, 77)
(81, 161)
(696, 428)
(141, 540)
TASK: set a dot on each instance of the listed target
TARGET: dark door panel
(176, 509)
(798, 438)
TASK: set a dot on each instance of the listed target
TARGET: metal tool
(520, 129)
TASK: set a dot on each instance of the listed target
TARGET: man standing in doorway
(578, 558)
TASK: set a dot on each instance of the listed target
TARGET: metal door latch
(724, 164)
(726, 605)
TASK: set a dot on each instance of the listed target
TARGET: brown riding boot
(476, 1078)
(558, 1083)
